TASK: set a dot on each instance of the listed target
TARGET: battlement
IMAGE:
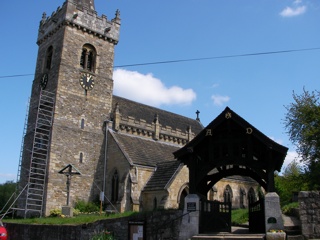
(156, 131)
(86, 20)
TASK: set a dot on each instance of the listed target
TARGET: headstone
(67, 211)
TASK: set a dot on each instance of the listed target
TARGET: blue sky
(256, 87)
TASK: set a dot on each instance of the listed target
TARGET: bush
(105, 235)
(290, 209)
(86, 207)
(55, 212)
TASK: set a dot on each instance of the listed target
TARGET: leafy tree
(302, 122)
(292, 180)
(6, 191)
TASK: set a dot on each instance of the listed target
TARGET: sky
(227, 40)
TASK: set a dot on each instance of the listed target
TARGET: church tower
(70, 104)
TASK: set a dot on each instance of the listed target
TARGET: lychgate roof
(230, 145)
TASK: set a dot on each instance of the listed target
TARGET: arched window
(115, 187)
(242, 194)
(212, 192)
(227, 194)
(155, 203)
(88, 58)
(48, 60)
(251, 196)
(82, 123)
(81, 158)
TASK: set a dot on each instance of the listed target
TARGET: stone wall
(158, 225)
(309, 204)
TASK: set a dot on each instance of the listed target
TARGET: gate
(257, 217)
(214, 216)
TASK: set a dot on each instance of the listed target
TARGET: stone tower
(74, 69)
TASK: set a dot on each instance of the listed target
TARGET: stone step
(295, 237)
(292, 230)
(228, 236)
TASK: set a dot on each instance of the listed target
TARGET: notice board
(136, 230)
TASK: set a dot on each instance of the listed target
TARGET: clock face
(86, 81)
(44, 81)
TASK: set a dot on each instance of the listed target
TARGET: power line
(198, 59)
(220, 57)
(20, 75)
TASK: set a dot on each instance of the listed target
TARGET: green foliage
(6, 191)
(86, 207)
(105, 235)
(239, 216)
(290, 209)
(55, 212)
(292, 180)
(302, 122)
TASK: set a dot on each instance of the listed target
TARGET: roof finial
(197, 112)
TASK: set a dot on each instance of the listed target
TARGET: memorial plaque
(191, 206)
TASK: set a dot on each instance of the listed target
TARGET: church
(84, 143)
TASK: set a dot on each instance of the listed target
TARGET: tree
(292, 180)
(302, 122)
(6, 191)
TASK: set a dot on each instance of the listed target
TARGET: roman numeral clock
(86, 81)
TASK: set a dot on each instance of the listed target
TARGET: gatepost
(191, 216)
(273, 214)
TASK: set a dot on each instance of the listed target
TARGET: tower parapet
(82, 18)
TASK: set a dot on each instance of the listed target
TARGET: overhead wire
(197, 59)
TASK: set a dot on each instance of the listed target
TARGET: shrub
(86, 207)
(105, 235)
(55, 212)
(290, 209)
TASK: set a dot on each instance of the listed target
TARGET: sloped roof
(163, 176)
(142, 151)
(221, 121)
(147, 113)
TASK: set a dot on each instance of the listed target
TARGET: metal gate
(214, 216)
(257, 217)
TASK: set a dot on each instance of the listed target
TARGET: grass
(239, 216)
(79, 219)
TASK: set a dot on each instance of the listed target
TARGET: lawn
(79, 219)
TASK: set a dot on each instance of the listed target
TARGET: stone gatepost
(191, 217)
(273, 214)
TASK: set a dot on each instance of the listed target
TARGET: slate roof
(163, 176)
(142, 111)
(142, 151)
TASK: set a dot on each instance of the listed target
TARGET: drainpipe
(105, 158)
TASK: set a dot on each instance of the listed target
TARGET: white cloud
(276, 140)
(215, 85)
(4, 177)
(292, 12)
(149, 90)
(297, 2)
(219, 100)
